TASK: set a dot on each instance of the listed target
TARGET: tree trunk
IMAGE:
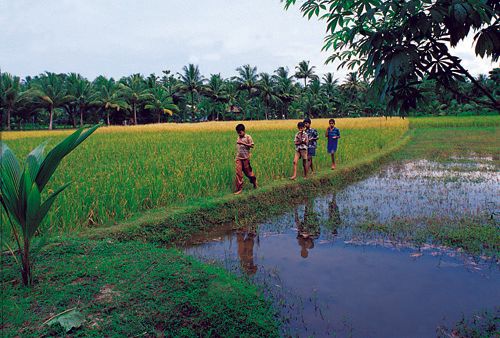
(192, 107)
(8, 118)
(107, 117)
(50, 117)
(26, 265)
(305, 82)
(135, 113)
(73, 120)
(159, 116)
(81, 116)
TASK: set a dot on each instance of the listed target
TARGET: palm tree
(303, 71)
(109, 96)
(49, 92)
(216, 91)
(247, 80)
(285, 89)
(80, 91)
(353, 86)
(10, 94)
(192, 82)
(134, 90)
(267, 92)
(161, 103)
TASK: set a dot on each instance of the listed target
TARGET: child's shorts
(302, 154)
(311, 152)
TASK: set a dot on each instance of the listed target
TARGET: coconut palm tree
(49, 92)
(109, 96)
(80, 92)
(135, 91)
(10, 95)
(247, 81)
(267, 92)
(216, 91)
(303, 71)
(192, 82)
(285, 89)
(161, 103)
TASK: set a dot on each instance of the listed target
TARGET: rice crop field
(120, 171)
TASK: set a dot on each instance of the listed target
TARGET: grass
(131, 289)
(127, 288)
(123, 171)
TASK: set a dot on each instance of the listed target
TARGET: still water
(329, 278)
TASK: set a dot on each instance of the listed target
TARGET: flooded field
(329, 275)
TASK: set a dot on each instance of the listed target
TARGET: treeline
(51, 99)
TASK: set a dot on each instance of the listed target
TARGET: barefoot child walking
(333, 135)
(244, 143)
(301, 142)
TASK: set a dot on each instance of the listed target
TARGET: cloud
(117, 38)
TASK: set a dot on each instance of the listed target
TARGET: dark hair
(240, 127)
(300, 125)
(331, 120)
(307, 120)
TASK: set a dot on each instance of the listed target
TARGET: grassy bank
(177, 225)
(123, 171)
(130, 289)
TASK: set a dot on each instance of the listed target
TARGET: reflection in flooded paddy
(329, 278)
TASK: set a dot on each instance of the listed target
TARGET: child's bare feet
(293, 178)
(255, 186)
(238, 192)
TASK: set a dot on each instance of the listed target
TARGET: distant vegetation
(52, 100)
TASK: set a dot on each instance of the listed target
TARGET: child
(244, 143)
(301, 141)
(312, 134)
(333, 135)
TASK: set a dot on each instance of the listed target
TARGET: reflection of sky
(378, 290)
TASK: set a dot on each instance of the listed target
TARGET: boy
(313, 136)
(244, 143)
(301, 141)
(333, 135)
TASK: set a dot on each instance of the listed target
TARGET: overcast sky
(122, 37)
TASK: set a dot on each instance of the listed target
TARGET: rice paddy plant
(124, 170)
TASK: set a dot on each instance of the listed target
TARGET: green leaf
(34, 160)
(32, 210)
(69, 320)
(45, 207)
(54, 157)
(9, 164)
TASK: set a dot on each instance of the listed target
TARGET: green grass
(129, 289)
(118, 173)
(453, 121)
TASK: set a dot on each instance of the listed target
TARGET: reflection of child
(245, 251)
(301, 141)
(333, 135)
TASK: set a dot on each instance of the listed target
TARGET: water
(329, 278)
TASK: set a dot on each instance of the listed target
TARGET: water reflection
(308, 229)
(352, 284)
(246, 241)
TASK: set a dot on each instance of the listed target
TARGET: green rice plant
(123, 171)
(22, 187)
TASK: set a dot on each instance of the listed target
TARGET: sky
(121, 37)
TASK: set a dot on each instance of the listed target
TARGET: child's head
(301, 126)
(307, 122)
(332, 122)
(240, 129)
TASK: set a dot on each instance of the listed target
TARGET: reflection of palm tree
(308, 229)
(334, 215)
(245, 251)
